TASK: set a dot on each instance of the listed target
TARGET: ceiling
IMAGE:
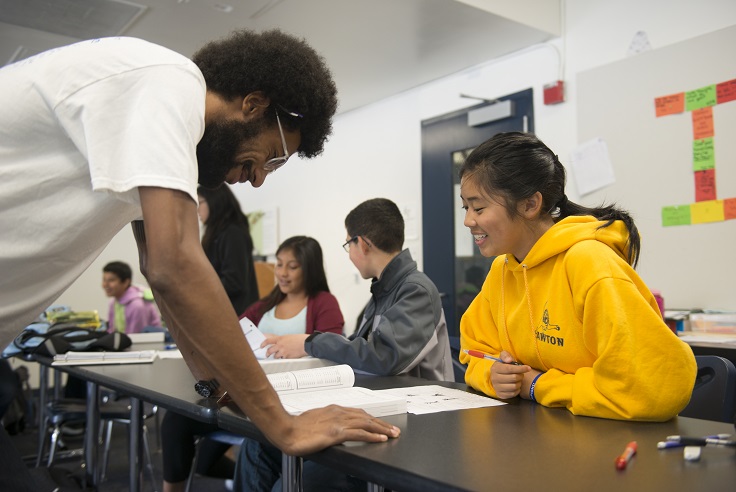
(375, 48)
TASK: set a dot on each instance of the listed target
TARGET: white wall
(376, 150)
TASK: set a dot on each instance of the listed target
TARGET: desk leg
(291, 473)
(43, 388)
(92, 431)
(57, 385)
(136, 444)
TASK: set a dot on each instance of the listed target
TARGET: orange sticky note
(710, 211)
(672, 104)
(703, 123)
(726, 91)
(705, 185)
(729, 208)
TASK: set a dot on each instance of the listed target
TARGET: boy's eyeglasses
(346, 246)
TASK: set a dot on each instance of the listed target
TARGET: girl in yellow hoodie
(562, 297)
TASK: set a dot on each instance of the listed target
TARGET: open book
(304, 390)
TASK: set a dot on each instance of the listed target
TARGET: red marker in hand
(626, 456)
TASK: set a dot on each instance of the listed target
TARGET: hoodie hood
(572, 230)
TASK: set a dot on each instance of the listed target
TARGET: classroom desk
(725, 350)
(166, 383)
(512, 447)
(522, 446)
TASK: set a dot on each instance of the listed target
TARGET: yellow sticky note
(709, 211)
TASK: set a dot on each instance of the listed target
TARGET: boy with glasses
(403, 331)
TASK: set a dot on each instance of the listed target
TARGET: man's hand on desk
(317, 429)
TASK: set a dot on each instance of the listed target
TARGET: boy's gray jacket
(403, 330)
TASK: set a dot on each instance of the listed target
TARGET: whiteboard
(694, 266)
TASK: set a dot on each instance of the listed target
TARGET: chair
(74, 410)
(457, 367)
(108, 418)
(222, 436)
(264, 277)
(714, 393)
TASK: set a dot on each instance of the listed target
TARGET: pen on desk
(481, 355)
(171, 346)
(626, 456)
(680, 441)
(714, 436)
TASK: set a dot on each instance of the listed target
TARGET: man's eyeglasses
(346, 246)
(273, 164)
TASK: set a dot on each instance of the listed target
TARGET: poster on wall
(707, 207)
(264, 231)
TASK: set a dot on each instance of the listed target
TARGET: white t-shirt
(81, 128)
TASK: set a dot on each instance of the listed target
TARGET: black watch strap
(312, 336)
(206, 388)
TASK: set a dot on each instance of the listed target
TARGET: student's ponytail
(516, 165)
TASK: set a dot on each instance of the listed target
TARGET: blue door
(451, 259)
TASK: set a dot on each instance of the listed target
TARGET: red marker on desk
(626, 456)
(481, 355)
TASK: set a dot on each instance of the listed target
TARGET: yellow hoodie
(577, 311)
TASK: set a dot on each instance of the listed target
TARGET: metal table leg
(136, 444)
(43, 387)
(291, 473)
(92, 432)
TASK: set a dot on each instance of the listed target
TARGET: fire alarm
(554, 93)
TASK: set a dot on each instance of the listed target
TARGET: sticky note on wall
(703, 154)
(709, 211)
(676, 215)
(705, 185)
(703, 123)
(672, 104)
(700, 98)
(726, 91)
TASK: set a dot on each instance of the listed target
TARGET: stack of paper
(96, 358)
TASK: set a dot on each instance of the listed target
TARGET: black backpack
(61, 338)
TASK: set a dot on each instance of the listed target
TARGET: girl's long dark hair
(224, 211)
(516, 165)
(308, 253)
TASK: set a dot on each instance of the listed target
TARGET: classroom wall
(376, 150)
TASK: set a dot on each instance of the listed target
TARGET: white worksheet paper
(255, 338)
(432, 399)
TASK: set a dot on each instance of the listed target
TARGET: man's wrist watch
(206, 388)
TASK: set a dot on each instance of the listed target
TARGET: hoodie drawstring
(531, 316)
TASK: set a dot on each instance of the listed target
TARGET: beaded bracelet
(531, 388)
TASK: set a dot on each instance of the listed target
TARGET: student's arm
(397, 339)
(191, 297)
(642, 370)
(479, 331)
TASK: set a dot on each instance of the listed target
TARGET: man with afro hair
(111, 131)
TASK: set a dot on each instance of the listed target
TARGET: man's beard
(220, 144)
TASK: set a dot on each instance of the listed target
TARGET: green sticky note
(700, 98)
(676, 215)
(703, 154)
